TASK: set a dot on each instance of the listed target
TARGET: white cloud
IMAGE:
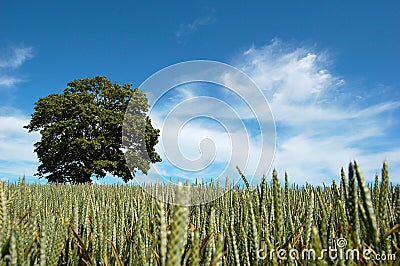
(16, 57)
(9, 81)
(322, 123)
(16, 146)
(202, 115)
(10, 61)
(319, 128)
(292, 78)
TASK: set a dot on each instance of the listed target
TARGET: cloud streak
(16, 146)
(16, 57)
(7, 81)
(10, 61)
(322, 124)
(193, 26)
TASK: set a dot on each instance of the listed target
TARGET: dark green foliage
(151, 141)
(81, 132)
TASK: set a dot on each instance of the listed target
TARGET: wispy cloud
(10, 60)
(8, 81)
(321, 122)
(16, 146)
(15, 57)
(187, 28)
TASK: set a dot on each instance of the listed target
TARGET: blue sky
(329, 69)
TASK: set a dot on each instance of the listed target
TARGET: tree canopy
(81, 132)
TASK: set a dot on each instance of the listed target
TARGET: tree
(81, 132)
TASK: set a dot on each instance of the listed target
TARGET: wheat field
(271, 224)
